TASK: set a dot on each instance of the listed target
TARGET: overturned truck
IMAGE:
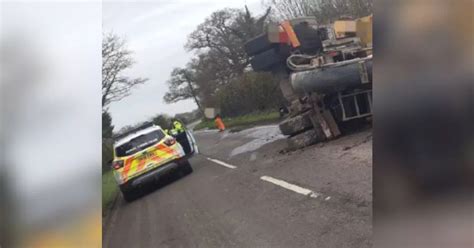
(324, 72)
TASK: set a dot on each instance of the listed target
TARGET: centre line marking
(289, 186)
(222, 163)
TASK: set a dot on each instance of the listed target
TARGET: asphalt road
(246, 191)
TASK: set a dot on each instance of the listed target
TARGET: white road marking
(292, 187)
(222, 163)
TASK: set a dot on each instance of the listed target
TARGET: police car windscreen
(139, 143)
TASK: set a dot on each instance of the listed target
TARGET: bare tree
(325, 11)
(210, 73)
(225, 32)
(220, 56)
(182, 85)
(289, 9)
(115, 59)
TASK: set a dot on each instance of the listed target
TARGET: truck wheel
(266, 60)
(297, 124)
(257, 45)
(304, 139)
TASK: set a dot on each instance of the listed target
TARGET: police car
(145, 153)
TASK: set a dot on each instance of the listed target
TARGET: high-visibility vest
(178, 127)
(173, 132)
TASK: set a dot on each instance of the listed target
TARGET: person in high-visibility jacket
(178, 126)
(178, 131)
(219, 123)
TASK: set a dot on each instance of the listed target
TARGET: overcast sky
(156, 31)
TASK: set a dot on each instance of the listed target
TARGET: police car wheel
(187, 169)
(128, 194)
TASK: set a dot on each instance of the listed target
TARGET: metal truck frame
(326, 77)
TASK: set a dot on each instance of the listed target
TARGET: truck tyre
(304, 139)
(297, 124)
(257, 45)
(266, 60)
(309, 37)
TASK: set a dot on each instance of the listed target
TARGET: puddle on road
(206, 131)
(261, 135)
(253, 156)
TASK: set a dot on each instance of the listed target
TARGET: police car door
(192, 142)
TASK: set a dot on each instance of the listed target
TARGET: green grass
(109, 190)
(244, 120)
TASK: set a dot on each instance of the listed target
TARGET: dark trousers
(182, 139)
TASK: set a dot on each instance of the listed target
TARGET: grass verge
(109, 190)
(244, 120)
